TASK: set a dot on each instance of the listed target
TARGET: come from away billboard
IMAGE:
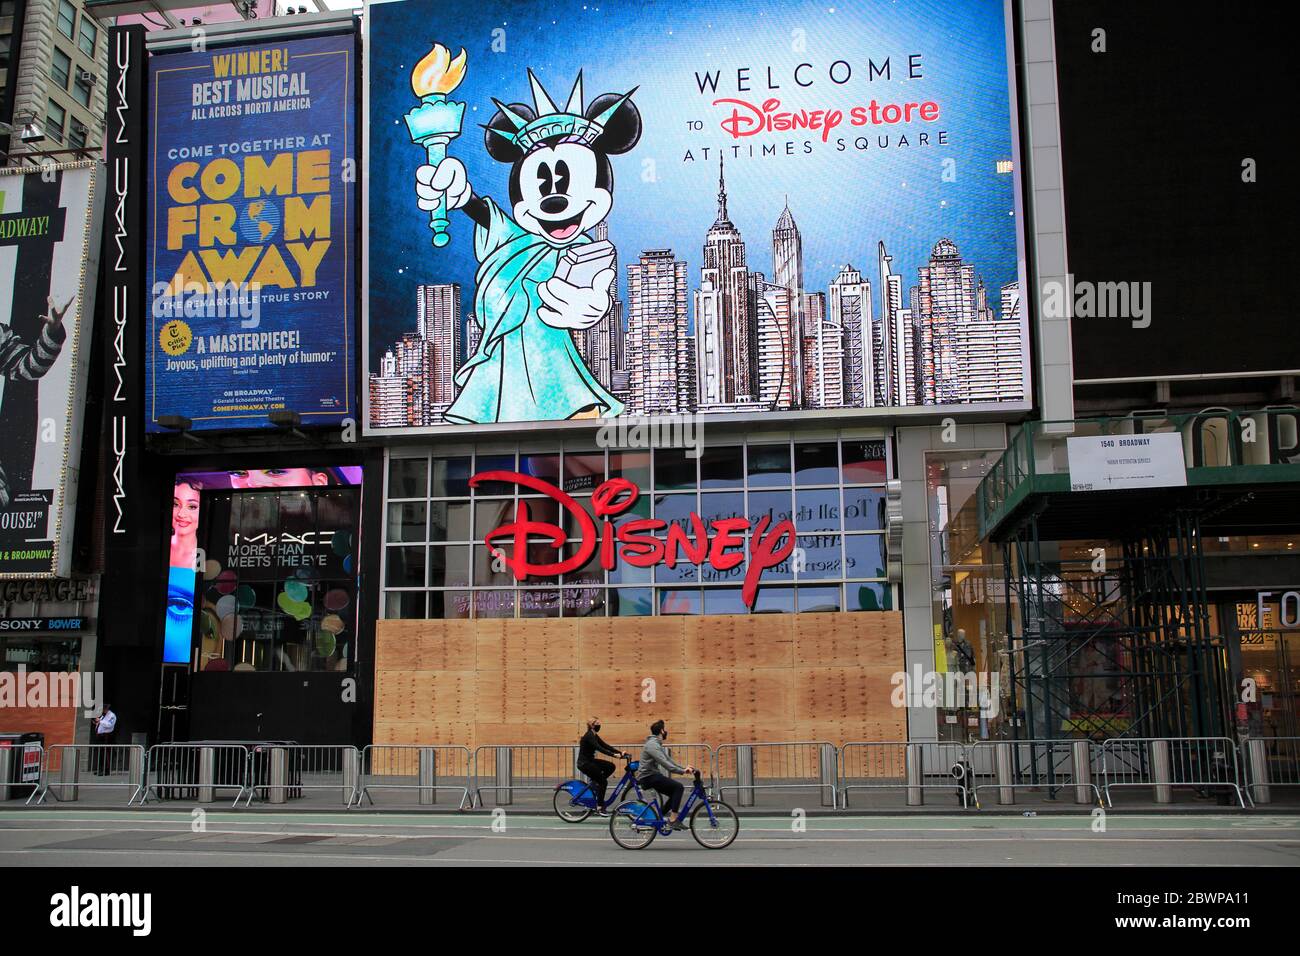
(251, 245)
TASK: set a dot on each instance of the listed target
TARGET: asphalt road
(37, 837)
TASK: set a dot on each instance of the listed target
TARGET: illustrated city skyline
(746, 339)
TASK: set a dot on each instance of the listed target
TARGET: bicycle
(714, 824)
(574, 800)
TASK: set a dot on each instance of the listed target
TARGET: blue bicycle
(574, 800)
(714, 824)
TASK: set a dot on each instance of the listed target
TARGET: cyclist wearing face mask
(597, 770)
(655, 768)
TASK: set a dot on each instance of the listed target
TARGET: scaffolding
(1118, 643)
(1109, 630)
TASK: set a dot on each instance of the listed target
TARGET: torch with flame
(436, 121)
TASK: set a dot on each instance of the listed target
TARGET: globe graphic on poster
(259, 221)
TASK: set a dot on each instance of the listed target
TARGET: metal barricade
(1049, 766)
(21, 769)
(1164, 763)
(415, 767)
(506, 769)
(179, 771)
(280, 772)
(69, 767)
(1271, 762)
(803, 765)
(910, 766)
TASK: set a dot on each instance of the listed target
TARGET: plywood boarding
(718, 679)
(58, 724)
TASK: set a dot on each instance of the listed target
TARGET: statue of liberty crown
(569, 125)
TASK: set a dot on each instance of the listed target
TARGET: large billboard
(252, 247)
(769, 210)
(1175, 240)
(49, 247)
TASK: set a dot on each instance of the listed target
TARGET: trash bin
(20, 764)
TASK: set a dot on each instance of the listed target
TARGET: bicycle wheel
(716, 833)
(566, 809)
(634, 825)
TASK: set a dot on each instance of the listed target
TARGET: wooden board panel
(607, 643)
(616, 696)
(58, 724)
(503, 732)
(719, 679)
(424, 695)
(753, 695)
(739, 640)
(543, 644)
(424, 645)
(519, 696)
(456, 733)
(840, 732)
(845, 639)
(838, 693)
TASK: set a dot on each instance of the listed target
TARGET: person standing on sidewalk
(105, 731)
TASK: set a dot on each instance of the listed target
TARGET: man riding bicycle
(655, 768)
(597, 770)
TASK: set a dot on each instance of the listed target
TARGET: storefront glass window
(278, 589)
(674, 468)
(409, 478)
(435, 525)
(722, 467)
(768, 466)
(967, 589)
(816, 463)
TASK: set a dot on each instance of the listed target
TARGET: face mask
(596, 727)
(665, 735)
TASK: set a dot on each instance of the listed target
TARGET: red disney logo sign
(720, 544)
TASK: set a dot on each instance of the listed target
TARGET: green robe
(524, 370)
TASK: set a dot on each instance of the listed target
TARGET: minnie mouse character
(527, 367)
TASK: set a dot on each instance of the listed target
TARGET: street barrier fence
(984, 772)
(1271, 762)
(198, 772)
(751, 767)
(420, 770)
(913, 767)
(20, 770)
(1162, 764)
(67, 768)
(281, 772)
(1045, 766)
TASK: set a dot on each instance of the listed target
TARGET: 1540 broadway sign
(719, 543)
